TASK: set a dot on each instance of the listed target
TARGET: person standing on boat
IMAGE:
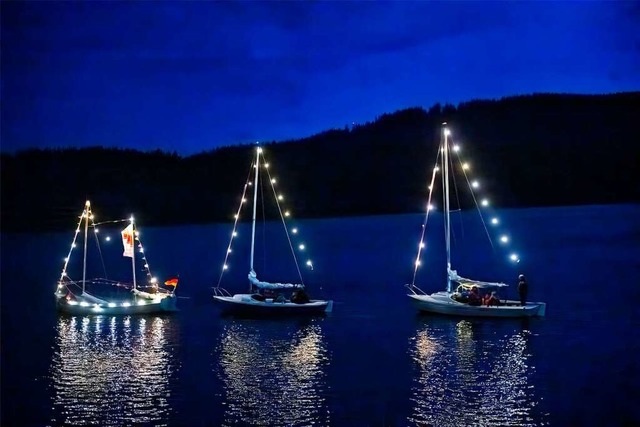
(523, 288)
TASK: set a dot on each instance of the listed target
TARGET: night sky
(190, 76)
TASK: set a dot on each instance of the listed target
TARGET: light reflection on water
(273, 373)
(466, 377)
(112, 370)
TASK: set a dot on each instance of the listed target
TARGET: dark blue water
(373, 362)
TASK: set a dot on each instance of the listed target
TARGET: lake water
(373, 362)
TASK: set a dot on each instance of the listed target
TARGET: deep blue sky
(190, 76)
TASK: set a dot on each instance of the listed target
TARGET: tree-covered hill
(529, 150)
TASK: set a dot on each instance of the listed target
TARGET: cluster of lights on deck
(87, 213)
(100, 307)
(285, 214)
(474, 185)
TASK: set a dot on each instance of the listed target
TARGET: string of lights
(87, 212)
(474, 187)
(285, 217)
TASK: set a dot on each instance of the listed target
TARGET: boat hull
(441, 303)
(243, 304)
(167, 304)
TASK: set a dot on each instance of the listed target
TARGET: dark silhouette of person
(299, 296)
(474, 297)
(523, 288)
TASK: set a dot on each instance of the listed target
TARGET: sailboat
(465, 300)
(73, 296)
(267, 298)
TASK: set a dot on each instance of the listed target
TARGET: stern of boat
(329, 308)
(169, 303)
(542, 309)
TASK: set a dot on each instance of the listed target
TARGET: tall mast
(133, 255)
(255, 198)
(87, 208)
(447, 221)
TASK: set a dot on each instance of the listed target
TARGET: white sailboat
(267, 298)
(466, 299)
(73, 296)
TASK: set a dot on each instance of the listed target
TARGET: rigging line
(455, 190)
(235, 223)
(275, 195)
(426, 218)
(110, 222)
(73, 242)
(95, 234)
(144, 258)
(264, 228)
(466, 177)
(442, 176)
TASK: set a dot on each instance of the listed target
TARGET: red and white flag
(127, 241)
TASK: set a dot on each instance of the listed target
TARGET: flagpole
(133, 255)
(87, 206)
(255, 198)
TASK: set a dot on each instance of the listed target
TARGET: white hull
(166, 304)
(244, 304)
(442, 303)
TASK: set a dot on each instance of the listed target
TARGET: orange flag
(172, 282)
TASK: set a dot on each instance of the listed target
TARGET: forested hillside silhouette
(533, 150)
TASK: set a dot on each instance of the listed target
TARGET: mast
(447, 221)
(133, 255)
(255, 198)
(87, 207)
